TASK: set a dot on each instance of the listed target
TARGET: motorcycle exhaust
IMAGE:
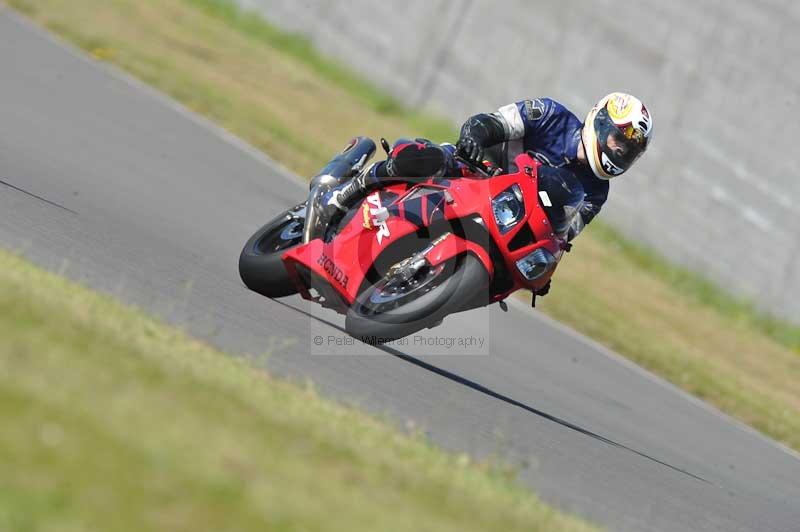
(347, 163)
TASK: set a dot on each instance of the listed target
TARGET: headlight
(536, 264)
(508, 208)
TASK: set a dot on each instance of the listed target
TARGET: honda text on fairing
(410, 254)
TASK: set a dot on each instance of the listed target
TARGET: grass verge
(274, 90)
(112, 421)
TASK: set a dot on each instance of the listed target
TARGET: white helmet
(617, 131)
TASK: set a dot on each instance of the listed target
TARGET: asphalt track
(114, 185)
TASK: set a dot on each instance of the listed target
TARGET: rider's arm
(528, 117)
(510, 122)
(596, 195)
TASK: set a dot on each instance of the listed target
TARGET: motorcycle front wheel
(388, 310)
(260, 264)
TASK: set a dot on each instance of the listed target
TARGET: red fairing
(453, 246)
(388, 215)
(354, 250)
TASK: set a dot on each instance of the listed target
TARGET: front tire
(260, 264)
(375, 317)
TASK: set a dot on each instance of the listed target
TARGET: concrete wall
(717, 190)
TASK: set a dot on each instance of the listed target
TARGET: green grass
(700, 289)
(301, 49)
(114, 422)
(274, 90)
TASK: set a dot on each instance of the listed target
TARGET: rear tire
(461, 281)
(260, 264)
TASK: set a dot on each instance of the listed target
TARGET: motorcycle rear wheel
(260, 264)
(382, 314)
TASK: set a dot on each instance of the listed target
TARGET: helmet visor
(620, 146)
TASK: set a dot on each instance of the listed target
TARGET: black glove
(477, 133)
(470, 148)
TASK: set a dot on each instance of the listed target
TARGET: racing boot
(418, 159)
(410, 161)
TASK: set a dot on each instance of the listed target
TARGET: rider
(615, 134)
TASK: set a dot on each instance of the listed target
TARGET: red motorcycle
(412, 253)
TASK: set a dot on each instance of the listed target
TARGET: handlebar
(485, 169)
